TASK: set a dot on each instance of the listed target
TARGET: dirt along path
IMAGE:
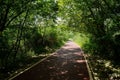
(68, 63)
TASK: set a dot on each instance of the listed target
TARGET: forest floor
(67, 63)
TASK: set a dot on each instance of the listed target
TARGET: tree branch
(4, 20)
(14, 18)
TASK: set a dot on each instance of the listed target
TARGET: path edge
(89, 70)
(11, 78)
(87, 65)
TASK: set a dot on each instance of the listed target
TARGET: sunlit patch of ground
(103, 69)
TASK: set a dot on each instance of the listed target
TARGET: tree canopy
(33, 27)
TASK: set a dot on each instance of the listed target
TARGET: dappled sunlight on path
(67, 63)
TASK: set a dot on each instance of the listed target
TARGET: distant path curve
(68, 63)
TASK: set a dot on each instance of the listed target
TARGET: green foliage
(33, 27)
(80, 39)
(100, 20)
(28, 28)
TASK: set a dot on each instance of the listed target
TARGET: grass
(80, 39)
(29, 62)
(101, 68)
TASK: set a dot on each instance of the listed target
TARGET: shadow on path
(67, 63)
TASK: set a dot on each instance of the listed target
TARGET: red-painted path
(68, 63)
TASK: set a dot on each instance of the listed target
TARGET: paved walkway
(67, 63)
